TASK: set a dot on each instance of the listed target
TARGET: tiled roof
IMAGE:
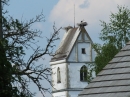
(114, 79)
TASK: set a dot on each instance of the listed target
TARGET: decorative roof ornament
(82, 23)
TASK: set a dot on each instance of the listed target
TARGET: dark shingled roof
(114, 79)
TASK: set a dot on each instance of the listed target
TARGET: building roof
(68, 42)
(114, 79)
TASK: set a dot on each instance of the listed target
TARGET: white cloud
(89, 10)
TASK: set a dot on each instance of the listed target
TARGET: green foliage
(86, 73)
(6, 74)
(115, 35)
(117, 32)
(90, 72)
(107, 52)
(6, 78)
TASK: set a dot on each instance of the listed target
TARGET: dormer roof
(114, 79)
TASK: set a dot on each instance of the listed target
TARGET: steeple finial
(74, 15)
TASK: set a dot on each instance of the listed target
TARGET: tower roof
(68, 42)
(114, 79)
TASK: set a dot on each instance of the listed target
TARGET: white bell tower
(70, 65)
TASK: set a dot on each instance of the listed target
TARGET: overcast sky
(62, 13)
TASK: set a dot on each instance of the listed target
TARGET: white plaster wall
(83, 57)
(74, 75)
(73, 93)
(76, 54)
(86, 38)
(80, 36)
(60, 94)
(72, 56)
(63, 73)
(84, 35)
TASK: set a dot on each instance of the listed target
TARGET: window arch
(83, 73)
(58, 75)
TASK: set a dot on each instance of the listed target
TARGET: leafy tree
(115, 35)
(105, 54)
(15, 72)
(117, 32)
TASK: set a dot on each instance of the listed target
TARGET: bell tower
(70, 65)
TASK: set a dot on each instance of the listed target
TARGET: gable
(83, 42)
(68, 43)
(83, 36)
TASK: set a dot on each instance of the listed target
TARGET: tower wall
(74, 76)
(80, 55)
(63, 75)
(60, 94)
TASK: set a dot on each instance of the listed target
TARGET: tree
(18, 36)
(105, 54)
(117, 32)
(115, 35)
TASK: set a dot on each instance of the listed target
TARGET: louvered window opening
(83, 73)
(58, 75)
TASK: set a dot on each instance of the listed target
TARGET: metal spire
(74, 15)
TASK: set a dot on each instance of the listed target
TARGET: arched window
(83, 73)
(58, 75)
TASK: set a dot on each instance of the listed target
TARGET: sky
(61, 12)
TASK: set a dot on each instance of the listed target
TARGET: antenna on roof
(74, 15)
